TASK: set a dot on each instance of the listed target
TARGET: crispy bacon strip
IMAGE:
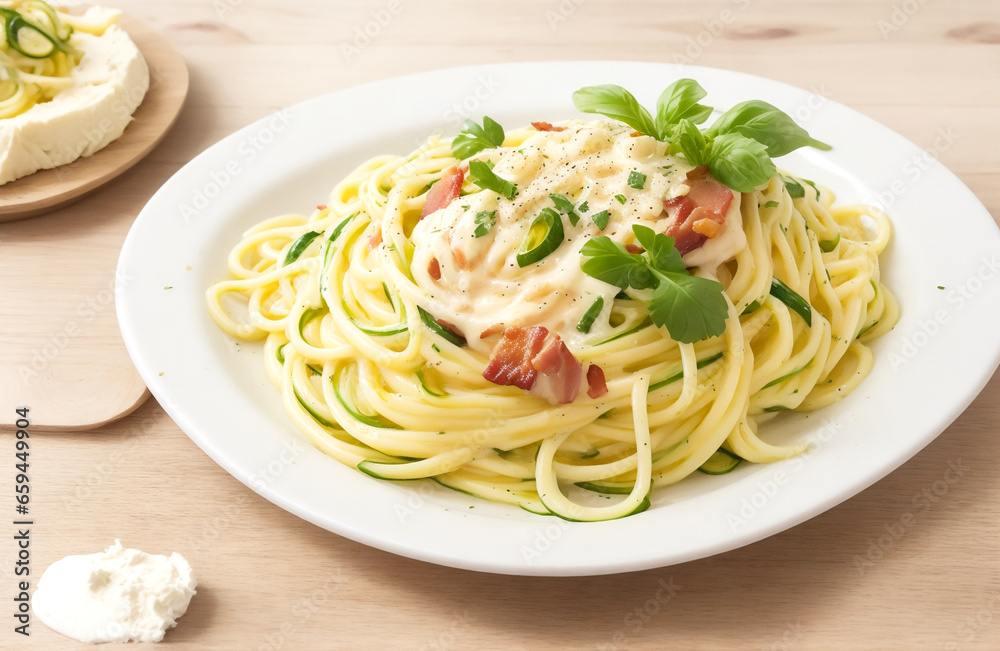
(444, 191)
(596, 385)
(707, 199)
(546, 126)
(510, 361)
(559, 373)
(321, 206)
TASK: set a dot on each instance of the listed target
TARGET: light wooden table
(271, 581)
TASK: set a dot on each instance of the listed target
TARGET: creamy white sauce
(114, 596)
(481, 283)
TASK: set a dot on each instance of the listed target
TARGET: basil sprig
(737, 148)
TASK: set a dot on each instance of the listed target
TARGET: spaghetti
(379, 318)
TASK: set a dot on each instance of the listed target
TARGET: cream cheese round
(108, 85)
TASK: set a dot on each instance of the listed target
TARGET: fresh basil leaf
(610, 262)
(482, 175)
(636, 179)
(680, 102)
(484, 222)
(766, 124)
(691, 142)
(690, 307)
(473, 138)
(617, 103)
(739, 162)
(601, 219)
(660, 249)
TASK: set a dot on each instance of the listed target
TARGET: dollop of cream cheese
(480, 281)
(114, 596)
(109, 83)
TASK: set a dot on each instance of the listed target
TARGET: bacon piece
(491, 330)
(510, 361)
(634, 248)
(596, 385)
(444, 191)
(559, 373)
(546, 126)
(635, 134)
(375, 239)
(707, 199)
(321, 206)
(434, 269)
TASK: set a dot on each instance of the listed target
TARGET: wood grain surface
(912, 562)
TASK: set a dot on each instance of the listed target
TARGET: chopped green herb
(565, 206)
(940, 286)
(771, 204)
(601, 219)
(636, 179)
(795, 189)
(587, 321)
(621, 198)
(583, 207)
(484, 222)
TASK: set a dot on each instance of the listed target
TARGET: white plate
(927, 370)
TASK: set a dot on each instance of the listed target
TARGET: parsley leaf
(660, 249)
(621, 198)
(636, 179)
(484, 222)
(482, 175)
(691, 308)
(610, 262)
(473, 138)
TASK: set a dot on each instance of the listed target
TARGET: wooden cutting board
(61, 354)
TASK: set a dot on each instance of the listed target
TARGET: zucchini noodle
(360, 336)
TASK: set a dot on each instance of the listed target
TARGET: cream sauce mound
(481, 283)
